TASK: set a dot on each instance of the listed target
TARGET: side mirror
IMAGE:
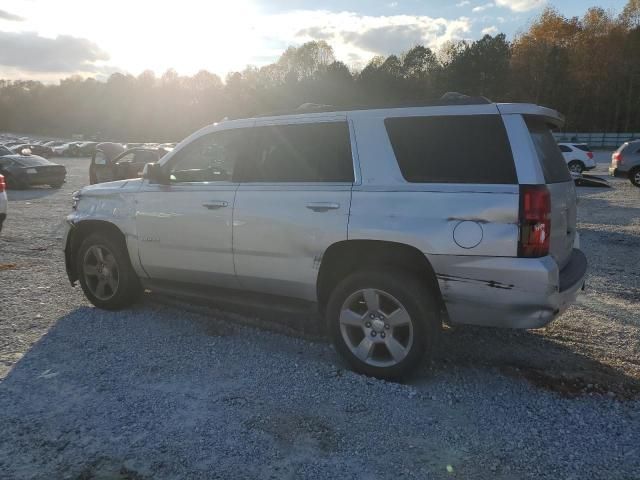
(155, 174)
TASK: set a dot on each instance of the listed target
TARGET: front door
(185, 228)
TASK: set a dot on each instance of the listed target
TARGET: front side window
(311, 152)
(210, 158)
(564, 148)
(452, 149)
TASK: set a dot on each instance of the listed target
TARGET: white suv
(381, 217)
(578, 156)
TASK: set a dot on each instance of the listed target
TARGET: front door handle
(215, 205)
(322, 206)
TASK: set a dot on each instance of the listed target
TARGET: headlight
(75, 198)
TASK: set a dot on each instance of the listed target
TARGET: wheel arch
(348, 256)
(79, 231)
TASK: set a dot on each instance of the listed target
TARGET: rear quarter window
(452, 149)
(551, 160)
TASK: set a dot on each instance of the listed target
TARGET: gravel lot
(171, 390)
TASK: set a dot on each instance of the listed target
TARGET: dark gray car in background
(625, 162)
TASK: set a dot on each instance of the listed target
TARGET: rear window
(584, 148)
(452, 149)
(551, 160)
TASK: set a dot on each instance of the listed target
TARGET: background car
(66, 149)
(3, 201)
(85, 149)
(578, 156)
(35, 149)
(129, 164)
(101, 161)
(23, 171)
(625, 162)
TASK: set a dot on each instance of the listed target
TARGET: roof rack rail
(449, 98)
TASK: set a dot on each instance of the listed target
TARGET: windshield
(32, 161)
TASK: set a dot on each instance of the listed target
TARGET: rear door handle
(322, 206)
(215, 205)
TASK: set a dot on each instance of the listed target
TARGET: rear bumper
(508, 292)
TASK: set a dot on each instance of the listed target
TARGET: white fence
(596, 140)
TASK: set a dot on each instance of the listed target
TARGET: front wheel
(105, 272)
(383, 323)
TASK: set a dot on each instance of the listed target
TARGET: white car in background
(3, 201)
(578, 156)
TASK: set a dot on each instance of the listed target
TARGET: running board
(295, 313)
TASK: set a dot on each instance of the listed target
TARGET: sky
(47, 40)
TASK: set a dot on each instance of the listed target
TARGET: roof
(451, 99)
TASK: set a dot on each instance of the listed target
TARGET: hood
(119, 186)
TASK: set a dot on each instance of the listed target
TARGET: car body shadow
(538, 356)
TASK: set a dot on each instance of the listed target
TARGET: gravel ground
(171, 390)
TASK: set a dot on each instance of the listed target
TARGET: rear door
(292, 204)
(561, 187)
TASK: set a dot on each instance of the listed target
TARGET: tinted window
(209, 158)
(551, 160)
(584, 148)
(564, 148)
(452, 149)
(5, 151)
(127, 158)
(314, 152)
(146, 157)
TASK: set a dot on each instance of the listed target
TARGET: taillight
(3, 185)
(535, 221)
(616, 158)
(590, 155)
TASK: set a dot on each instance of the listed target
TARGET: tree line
(588, 68)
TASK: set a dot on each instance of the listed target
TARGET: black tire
(128, 288)
(634, 177)
(576, 166)
(416, 297)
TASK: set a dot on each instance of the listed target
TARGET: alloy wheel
(376, 327)
(101, 272)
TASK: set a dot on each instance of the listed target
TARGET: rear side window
(551, 160)
(584, 148)
(313, 152)
(452, 149)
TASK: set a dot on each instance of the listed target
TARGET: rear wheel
(576, 166)
(383, 323)
(634, 176)
(105, 272)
